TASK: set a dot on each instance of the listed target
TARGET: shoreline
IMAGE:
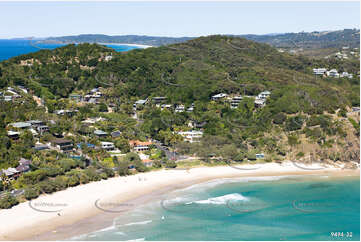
(135, 45)
(79, 213)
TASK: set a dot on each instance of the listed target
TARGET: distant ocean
(11, 48)
(263, 208)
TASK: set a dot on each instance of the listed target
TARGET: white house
(191, 136)
(264, 95)
(319, 71)
(333, 73)
(107, 145)
(219, 96)
(346, 74)
(235, 101)
(179, 108)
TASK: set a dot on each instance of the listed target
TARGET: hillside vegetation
(304, 115)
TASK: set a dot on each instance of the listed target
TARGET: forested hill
(304, 115)
(306, 40)
(184, 72)
(311, 40)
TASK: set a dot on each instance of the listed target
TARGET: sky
(175, 19)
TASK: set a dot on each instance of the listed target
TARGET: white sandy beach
(135, 45)
(77, 203)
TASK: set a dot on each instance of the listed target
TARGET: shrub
(31, 193)
(73, 181)
(157, 164)
(170, 164)
(279, 118)
(8, 201)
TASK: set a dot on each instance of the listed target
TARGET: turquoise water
(269, 208)
(11, 48)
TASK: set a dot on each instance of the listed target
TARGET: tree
(8, 201)
(170, 164)
(31, 192)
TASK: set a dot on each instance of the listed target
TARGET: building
(62, 144)
(260, 156)
(165, 106)
(158, 100)
(333, 73)
(319, 71)
(191, 136)
(11, 173)
(20, 125)
(191, 108)
(42, 129)
(219, 96)
(264, 95)
(139, 146)
(100, 133)
(140, 103)
(13, 135)
(115, 134)
(346, 74)
(40, 147)
(235, 101)
(179, 108)
(35, 123)
(107, 145)
(259, 102)
(108, 58)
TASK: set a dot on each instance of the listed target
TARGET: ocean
(262, 208)
(11, 48)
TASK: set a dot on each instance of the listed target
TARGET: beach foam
(223, 199)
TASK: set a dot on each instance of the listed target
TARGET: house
(139, 103)
(235, 101)
(8, 98)
(62, 112)
(191, 108)
(260, 156)
(100, 133)
(264, 95)
(13, 135)
(355, 109)
(319, 71)
(33, 132)
(11, 173)
(39, 147)
(24, 165)
(259, 102)
(107, 145)
(42, 129)
(35, 123)
(333, 73)
(165, 106)
(158, 100)
(115, 134)
(63, 144)
(89, 121)
(191, 136)
(196, 124)
(139, 146)
(20, 125)
(219, 96)
(346, 74)
(179, 108)
(108, 58)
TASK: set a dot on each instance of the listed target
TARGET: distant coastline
(135, 45)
